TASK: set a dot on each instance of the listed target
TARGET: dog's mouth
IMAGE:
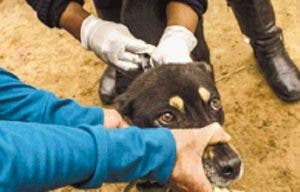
(222, 164)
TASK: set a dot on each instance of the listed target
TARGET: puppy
(173, 95)
(181, 96)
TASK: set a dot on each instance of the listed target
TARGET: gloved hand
(113, 43)
(175, 46)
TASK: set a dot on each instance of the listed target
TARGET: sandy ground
(265, 130)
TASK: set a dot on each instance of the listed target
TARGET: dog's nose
(227, 161)
(222, 164)
(230, 168)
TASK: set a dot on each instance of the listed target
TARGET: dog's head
(182, 96)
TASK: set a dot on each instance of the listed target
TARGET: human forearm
(72, 18)
(50, 11)
(178, 39)
(39, 157)
(21, 102)
(181, 14)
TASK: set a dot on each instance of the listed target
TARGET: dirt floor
(265, 130)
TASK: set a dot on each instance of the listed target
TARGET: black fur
(149, 95)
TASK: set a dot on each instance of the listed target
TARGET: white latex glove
(175, 46)
(113, 43)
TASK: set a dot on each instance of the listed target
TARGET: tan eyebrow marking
(177, 102)
(208, 68)
(204, 94)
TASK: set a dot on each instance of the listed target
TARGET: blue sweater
(47, 142)
(49, 11)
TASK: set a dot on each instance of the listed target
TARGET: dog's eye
(215, 104)
(166, 118)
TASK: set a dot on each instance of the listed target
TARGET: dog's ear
(124, 104)
(206, 67)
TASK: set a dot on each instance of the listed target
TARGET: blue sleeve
(20, 102)
(36, 157)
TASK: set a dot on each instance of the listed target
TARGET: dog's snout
(230, 168)
(222, 164)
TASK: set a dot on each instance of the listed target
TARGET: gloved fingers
(138, 46)
(153, 62)
(156, 59)
(126, 66)
(112, 51)
(171, 54)
(147, 50)
(121, 59)
(131, 57)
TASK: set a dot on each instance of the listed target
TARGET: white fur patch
(220, 189)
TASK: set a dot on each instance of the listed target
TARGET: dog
(174, 95)
(181, 96)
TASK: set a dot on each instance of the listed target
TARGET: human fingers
(113, 119)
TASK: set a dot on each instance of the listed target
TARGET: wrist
(86, 27)
(72, 18)
(181, 33)
(149, 153)
(180, 13)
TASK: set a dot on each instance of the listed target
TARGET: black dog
(182, 96)
(174, 95)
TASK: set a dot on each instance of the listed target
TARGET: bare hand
(113, 119)
(188, 173)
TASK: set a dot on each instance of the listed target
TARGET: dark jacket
(49, 11)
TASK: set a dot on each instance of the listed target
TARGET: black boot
(257, 21)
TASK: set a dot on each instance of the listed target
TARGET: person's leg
(21, 102)
(201, 51)
(109, 10)
(256, 19)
